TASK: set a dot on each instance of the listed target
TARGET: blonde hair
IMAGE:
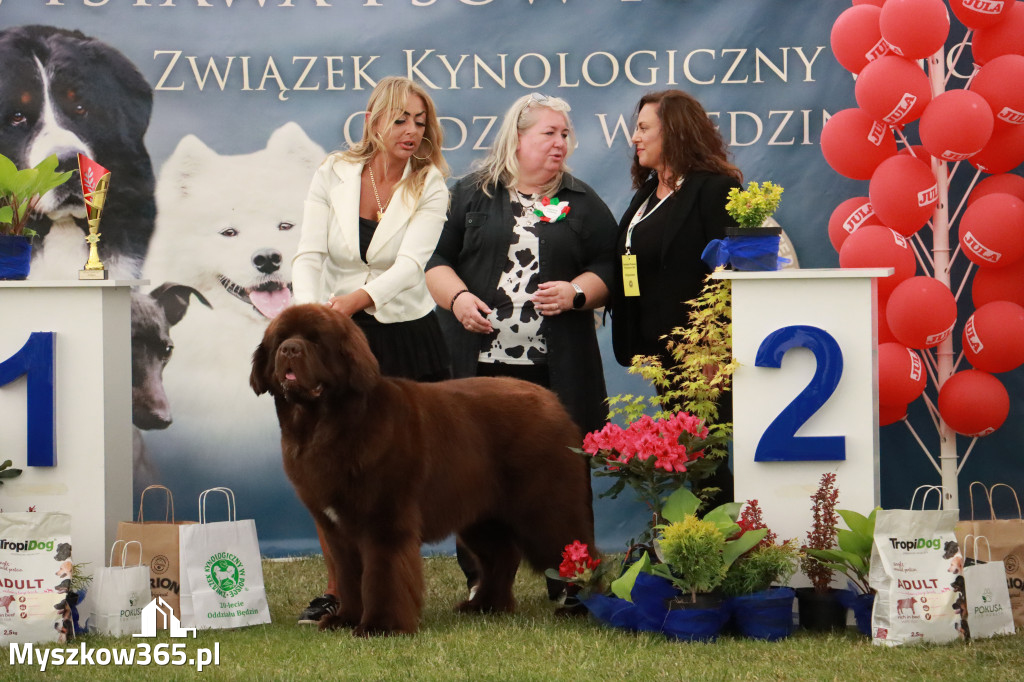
(390, 96)
(501, 166)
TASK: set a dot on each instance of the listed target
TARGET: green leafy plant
(754, 205)
(768, 563)
(853, 557)
(7, 471)
(21, 190)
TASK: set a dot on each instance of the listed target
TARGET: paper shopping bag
(159, 540)
(988, 599)
(35, 576)
(916, 566)
(119, 593)
(222, 575)
(1006, 537)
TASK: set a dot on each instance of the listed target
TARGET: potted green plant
(20, 192)
(756, 585)
(852, 558)
(819, 605)
(750, 245)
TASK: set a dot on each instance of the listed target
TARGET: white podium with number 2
(805, 396)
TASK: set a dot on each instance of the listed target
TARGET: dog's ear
(260, 369)
(174, 299)
(355, 359)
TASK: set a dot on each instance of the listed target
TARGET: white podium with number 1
(805, 396)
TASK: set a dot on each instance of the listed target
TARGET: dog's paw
(336, 621)
(377, 630)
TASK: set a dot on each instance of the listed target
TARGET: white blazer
(327, 262)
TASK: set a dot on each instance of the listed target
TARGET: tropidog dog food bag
(917, 569)
(35, 576)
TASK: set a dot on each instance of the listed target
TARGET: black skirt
(410, 350)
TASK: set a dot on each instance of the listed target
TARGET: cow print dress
(517, 337)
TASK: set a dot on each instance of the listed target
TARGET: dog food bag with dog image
(917, 568)
(35, 575)
(221, 571)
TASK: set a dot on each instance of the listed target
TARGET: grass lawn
(530, 645)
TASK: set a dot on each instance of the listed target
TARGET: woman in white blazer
(372, 218)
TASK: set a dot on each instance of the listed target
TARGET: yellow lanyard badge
(630, 283)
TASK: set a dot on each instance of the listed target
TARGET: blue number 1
(779, 442)
(35, 359)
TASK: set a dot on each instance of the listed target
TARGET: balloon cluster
(881, 43)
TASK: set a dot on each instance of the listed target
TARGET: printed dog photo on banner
(69, 94)
(227, 228)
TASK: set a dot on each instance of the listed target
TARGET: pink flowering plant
(586, 573)
(652, 456)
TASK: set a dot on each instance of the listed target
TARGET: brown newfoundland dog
(387, 464)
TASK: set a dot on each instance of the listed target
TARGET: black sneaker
(317, 609)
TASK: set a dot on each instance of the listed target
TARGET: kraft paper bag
(1006, 540)
(119, 593)
(917, 569)
(159, 540)
(35, 576)
(222, 573)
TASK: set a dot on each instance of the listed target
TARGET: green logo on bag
(225, 573)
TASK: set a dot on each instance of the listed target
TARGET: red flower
(576, 561)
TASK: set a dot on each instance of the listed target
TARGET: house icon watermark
(158, 612)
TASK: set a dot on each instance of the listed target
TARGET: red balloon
(874, 246)
(993, 337)
(893, 89)
(1004, 151)
(1003, 37)
(979, 13)
(848, 217)
(888, 414)
(914, 28)
(921, 312)
(901, 374)
(853, 143)
(918, 151)
(973, 403)
(856, 38)
(885, 334)
(876, 3)
(999, 83)
(903, 193)
(956, 125)
(1004, 183)
(999, 284)
(992, 231)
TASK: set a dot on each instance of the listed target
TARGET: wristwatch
(580, 299)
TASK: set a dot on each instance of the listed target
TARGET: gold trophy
(95, 181)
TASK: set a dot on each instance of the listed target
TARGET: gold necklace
(380, 209)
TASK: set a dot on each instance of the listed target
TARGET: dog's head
(153, 315)
(311, 350)
(65, 93)
(950, 549)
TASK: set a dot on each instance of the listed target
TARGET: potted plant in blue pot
(20, 191)
(750, 245)
(852, 558)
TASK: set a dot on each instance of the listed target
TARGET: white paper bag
(119, 593)
(917, 566)
(988, 598)
(35, 575)
(221, 573)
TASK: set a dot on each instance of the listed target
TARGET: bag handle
(168, 503)
(124, 552)
(970, 494)
(1016, 499)
(928, 489)
(229, 495)
(987, 546)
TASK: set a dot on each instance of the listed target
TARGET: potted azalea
(756, 584)
(20, 192)
(750, 245)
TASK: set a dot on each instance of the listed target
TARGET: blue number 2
(35, 359)
(779, 442)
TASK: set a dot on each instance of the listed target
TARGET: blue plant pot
(695, 623)
(15, 256)
(766, 615)
(862, 605)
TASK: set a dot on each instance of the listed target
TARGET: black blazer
(696, 216)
